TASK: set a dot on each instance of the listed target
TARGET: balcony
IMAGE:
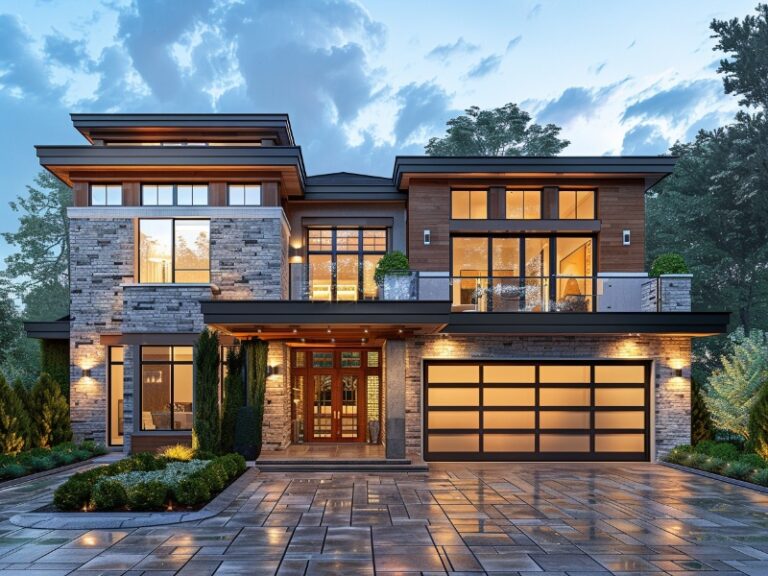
(601, 293)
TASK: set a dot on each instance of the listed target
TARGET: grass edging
(115, 520)
(11, 482)
(713, 476)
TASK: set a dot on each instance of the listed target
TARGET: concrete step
(339, 465)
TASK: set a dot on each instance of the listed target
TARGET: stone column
(395, 399)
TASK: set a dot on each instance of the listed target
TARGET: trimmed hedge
(149, 483)
(40, 459)
(722, 458)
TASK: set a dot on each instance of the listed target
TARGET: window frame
(470, 191)
(540, 193)
(578, 191)
(175, 193)
(171, 362)
(173, 251)
(106, 187)
(245, 185)
(110, 364)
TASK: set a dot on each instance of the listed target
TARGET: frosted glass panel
(508, 420)
(564, 419)
(455, 374)
(564, 397)
(509, 396)
(454, 397)
(564, 374)
(620, 397)
(508, 443)
(620, 443)
(619, 419)
(468, 419)
(563, 443)
(509, 374)
(454, 443)
(619, 374)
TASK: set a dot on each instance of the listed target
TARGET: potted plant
(393, 276)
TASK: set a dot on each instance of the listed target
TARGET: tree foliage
(701, 421)
(758, 423)
(504, 131)
(256, 369)
(234, 397)
(14, 426)
(733, 387)
(205, 429)
(49, 413)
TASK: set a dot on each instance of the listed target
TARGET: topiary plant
(701, 422)
(205, 429)
(108, 495)
(246, 432)
(391, 263)
(191, 490)
(49, 413)
(758, 423)
(74, 494)
(256, 358)
(149, 495)
(669, 263)
(234, 397)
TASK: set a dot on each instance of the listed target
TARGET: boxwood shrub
(108, 495)
(722, 458)
(40, 459)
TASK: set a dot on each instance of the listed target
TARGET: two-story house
(527, 328)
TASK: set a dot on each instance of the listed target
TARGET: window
(244, 195)
(106, 195)
(166, 387)
(174, 194)
(341, 262)
(174, 251)
(523, 204)
(576, 204)
(115, 368)
(469, 204)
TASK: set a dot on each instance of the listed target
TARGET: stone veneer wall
(675, 293)
(249, 260)
(672, 412)
(277, 408)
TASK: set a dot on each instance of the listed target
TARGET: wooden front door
(335, 395)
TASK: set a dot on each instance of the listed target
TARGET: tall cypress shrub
(701, 422)
(257, 385)
(49, 414)
(54, 361)
(234, 398)
(205, 428)
(13, 424)
(758, 423)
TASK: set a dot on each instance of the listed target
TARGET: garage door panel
(536, 410)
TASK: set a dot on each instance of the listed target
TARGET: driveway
(553, 519)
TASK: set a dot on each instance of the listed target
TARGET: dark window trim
(175, 193)
(171, 362)
(106, 196)
(173, 252)
(334, 252)
(590, 455)
(111, 363)
(538, 189)
(245, 204)
(521, 236)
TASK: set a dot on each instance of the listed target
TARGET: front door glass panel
(349, 405)
(322, 417)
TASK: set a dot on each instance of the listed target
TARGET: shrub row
(39, 459)
(722, 458)
(135, 484)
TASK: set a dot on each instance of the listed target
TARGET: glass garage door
(536, 411)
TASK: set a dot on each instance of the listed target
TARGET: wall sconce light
(85, 373)
(678, 372)
(273, 370)
(427, 237)
(294, 255)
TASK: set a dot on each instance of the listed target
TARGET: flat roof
(351, 186)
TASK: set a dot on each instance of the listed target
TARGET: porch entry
(336, 394)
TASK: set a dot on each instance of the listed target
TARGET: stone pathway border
(713, 476)
(114, 520)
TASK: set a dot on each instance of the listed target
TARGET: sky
(362, 80)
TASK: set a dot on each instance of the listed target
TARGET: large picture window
(174, 251)
(576, 204)
(523, 204)
(166, 387)
(341, 262)
(469, 204)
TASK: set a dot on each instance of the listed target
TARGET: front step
(339, 465)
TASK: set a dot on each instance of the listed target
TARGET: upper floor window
(469, 204)
(174, 251)
(523, 204)
(174, 194)
(106, 195)
(245, 195)
(576, 204)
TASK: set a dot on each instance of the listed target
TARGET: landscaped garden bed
(722, 458)
(43, 459)
(175, 479)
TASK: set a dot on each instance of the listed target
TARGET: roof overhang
(48, 330)
(650, 168)
(66, 161)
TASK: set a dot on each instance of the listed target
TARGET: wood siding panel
(217, 194)
(131, 194)
(80, 194)
(621, 207)
(429, 208)
(270, 195)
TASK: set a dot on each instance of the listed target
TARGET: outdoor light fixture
(86, 373)
(678, 372)
(273, 370)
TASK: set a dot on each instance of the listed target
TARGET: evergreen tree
(758, 423)
(13, 425)
(205, 430)
(49, 414)
(234, 397)
(701, 422)
(256, 357)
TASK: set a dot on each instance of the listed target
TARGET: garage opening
(544, 410)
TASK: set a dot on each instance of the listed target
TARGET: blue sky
(362, 81)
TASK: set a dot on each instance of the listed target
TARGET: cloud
(445, 51)
(599, 67)
(65, 51)
(674, 103)
(535, 11)
(632, 44)
(485, 66)
(512, 44)
(22, 73)
(425, 106)
(575, 102)
(644, 140)
(709, 121)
